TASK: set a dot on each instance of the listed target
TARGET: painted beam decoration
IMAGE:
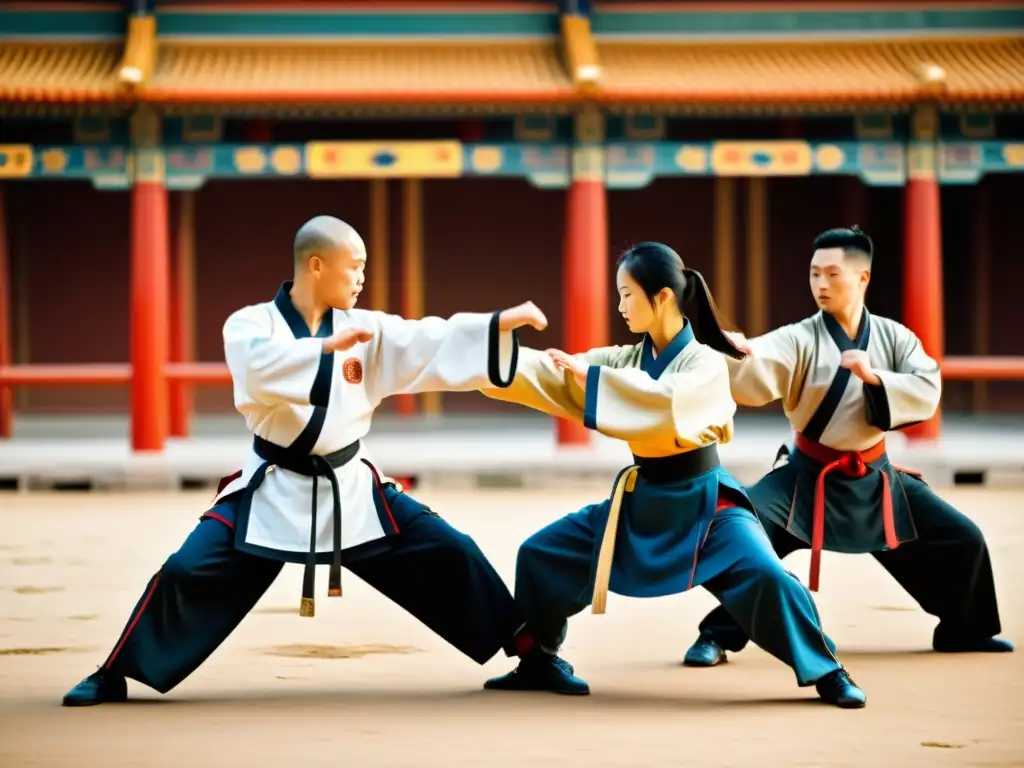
(629, 165)
(376, 160)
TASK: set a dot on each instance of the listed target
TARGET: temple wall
(489, 243)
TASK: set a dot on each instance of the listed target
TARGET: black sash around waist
(314, 466)
(665, 469)
(303, 464)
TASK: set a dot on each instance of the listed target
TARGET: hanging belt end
(307, 608)
(815, 577)
(334, 580)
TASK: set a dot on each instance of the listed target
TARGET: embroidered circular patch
(352, 370)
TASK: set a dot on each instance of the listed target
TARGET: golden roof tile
(792, 73)
(364, 73)
(60, 72)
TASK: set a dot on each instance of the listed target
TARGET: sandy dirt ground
(363, 684)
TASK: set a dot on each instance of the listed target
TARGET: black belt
(314, 467)
(680, 466)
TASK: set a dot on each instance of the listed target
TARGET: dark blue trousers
(205, 589)
(947, 569)
(555, 573)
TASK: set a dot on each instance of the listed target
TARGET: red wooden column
(922, 249)
(6, 341)
(585, 260)
(183, 312)
(150, 287)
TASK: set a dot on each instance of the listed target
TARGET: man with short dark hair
(845, 378)
(308, 492)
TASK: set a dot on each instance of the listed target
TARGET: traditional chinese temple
(157, 158)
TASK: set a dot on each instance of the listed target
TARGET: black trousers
(947, 570)
(205, 589)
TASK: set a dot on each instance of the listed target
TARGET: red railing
(983, 368)
(101, 374)
(956, 368)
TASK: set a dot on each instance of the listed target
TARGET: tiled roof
(60, 72)
(365, 73)
(392, 74)
(794, 72)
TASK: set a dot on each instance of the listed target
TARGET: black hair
(655, 266)
(853, 242)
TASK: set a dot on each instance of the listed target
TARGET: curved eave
(65, 98)
(831, 102)
(773, 98)
(61, 74)
(341, 110)
(360, 74)
(993, 97)
(856, 75)
(360, 99)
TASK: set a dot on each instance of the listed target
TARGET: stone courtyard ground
(363, 684)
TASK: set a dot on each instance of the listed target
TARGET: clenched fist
(859, 363)
(525, 314)
(346, 338)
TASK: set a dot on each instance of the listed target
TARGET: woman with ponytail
(675, 518)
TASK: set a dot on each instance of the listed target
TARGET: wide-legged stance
(946, 569)
(205, 589)
(555, 576)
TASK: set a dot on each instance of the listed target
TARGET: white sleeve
(271, 371)
(466, 352)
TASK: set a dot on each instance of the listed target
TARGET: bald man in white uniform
(309, 370)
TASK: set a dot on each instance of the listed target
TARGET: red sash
(851, 464)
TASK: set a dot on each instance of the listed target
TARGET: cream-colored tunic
(797, 363)
(687, 404)
(661, 406)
